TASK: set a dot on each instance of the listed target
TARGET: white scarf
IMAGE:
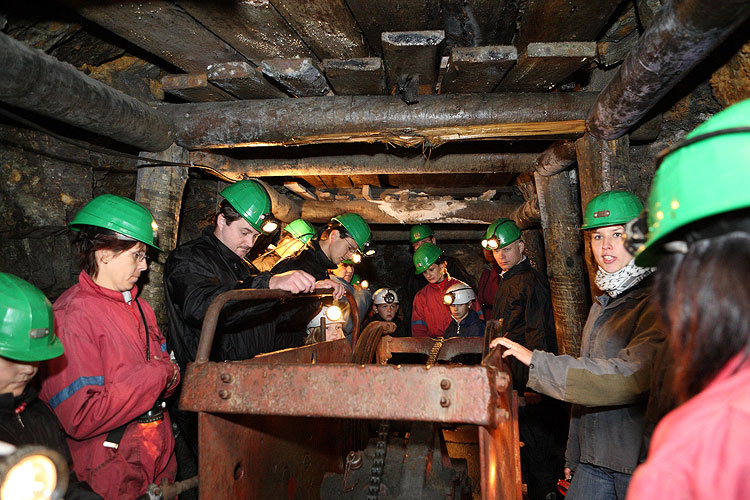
(619, 281)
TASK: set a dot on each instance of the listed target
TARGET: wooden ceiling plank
(326, 26)
(255, 29)
(564, 20)
(360, 76)
(242, 80)
(300, 77)
(194, 87)
(376, 17)
(364, 180)
(477, 69)
(541, 66)
(412, 52)
(161, 28)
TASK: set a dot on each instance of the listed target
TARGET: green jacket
(609, 383)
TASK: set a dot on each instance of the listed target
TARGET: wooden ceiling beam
(194, 87)
(564, 20)
(541, 66)
(412, 53)
(433, 121)
(300, 77)
(242, 80)
(477, 69)
(362, 76)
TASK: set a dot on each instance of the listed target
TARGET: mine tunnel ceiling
(283, 49)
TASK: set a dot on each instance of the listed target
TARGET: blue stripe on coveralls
(164, 347)
(418, 322)
(77, 384)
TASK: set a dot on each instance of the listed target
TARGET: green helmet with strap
(357, 228)
(419, 232)
(425, 256)
(301, 229)
(121, 215)
(705, 175)
(611, 208)
(26, 324)
(501, 233)
(251, 201)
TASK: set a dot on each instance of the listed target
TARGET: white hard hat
(459, 293)
(385, 296)
(333, 314)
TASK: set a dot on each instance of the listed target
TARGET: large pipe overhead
(681, 35)
(33, 80)
(434, 120)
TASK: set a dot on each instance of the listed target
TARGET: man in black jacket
(523, 303)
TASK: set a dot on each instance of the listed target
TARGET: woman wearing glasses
(107, 389)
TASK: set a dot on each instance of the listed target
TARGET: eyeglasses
(139, 256)
(352, 249)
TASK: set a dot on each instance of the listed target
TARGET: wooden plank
(242, 80)
(564, 20)
(361, 76)
(255, 29)
(541, 66)
(194, 87)
(326, 26)
(477, 69)
(474, 23)
(412, 52)
(161, 28)
(364, 180)
(337, 181)
(300, 77)
(376, 17)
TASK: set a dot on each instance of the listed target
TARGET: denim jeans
(597, 483)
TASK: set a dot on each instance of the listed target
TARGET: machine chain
(435, 351)
(378, 463)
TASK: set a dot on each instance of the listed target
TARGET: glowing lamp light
(334, 313)
(269, 226)
(369, 252)
(364, 284)
(356, 258)
(33, 473)
(448, 299)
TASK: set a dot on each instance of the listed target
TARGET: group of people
(669, 335)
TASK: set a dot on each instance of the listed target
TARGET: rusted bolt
(223, 394)
(226, 378)
(445, 402)
(445, 384)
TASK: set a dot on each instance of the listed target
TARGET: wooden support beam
(558, 202)
(367, 164)
(242, 80)
(326, 26)
(363, 76)
(412, 53)
(160, 190)
(541, 66)
(477, 69)
(564, 20)
(681, 35)
(255, 29)
(194, 87)
(402, 236)
(33, 80)
(527, 215)
(411, 212)
(300, 77)
(433, 121)
(556, 158)
(284, 209)
(161, 28)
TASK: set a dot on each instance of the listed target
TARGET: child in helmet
(430, 317)
(385, 307)
(294, 237)
(333, 318)
(465, 322)
(26, 339)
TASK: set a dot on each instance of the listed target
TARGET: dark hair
(93, 238)
(228, 211)
(334, 225)
(704, 296)
(315, 335)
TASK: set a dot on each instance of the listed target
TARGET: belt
(155, 414)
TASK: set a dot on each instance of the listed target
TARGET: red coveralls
(430, 316)
(102, 382)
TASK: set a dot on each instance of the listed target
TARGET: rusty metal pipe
(681, 35)
(211, 319)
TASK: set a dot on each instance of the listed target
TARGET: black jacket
(523, 302)
(401, 331)
(415, 282)
(37, 425)
(194, 275)
(471, 326)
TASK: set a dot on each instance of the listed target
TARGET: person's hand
(293, 281)
(383, 351)
(513, 349)
(174, 378)
(338, 288)
(567, 473)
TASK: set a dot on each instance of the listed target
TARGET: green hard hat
(250, 200)
(501, 233)
(705, 175)
(301, 229)
(26, 331)
(611, 208)
(425, 256)
(356, 227)
(348, 261)
(419, 232)
(356, 280)
(121, 215)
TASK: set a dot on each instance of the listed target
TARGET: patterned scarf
(619, 281)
